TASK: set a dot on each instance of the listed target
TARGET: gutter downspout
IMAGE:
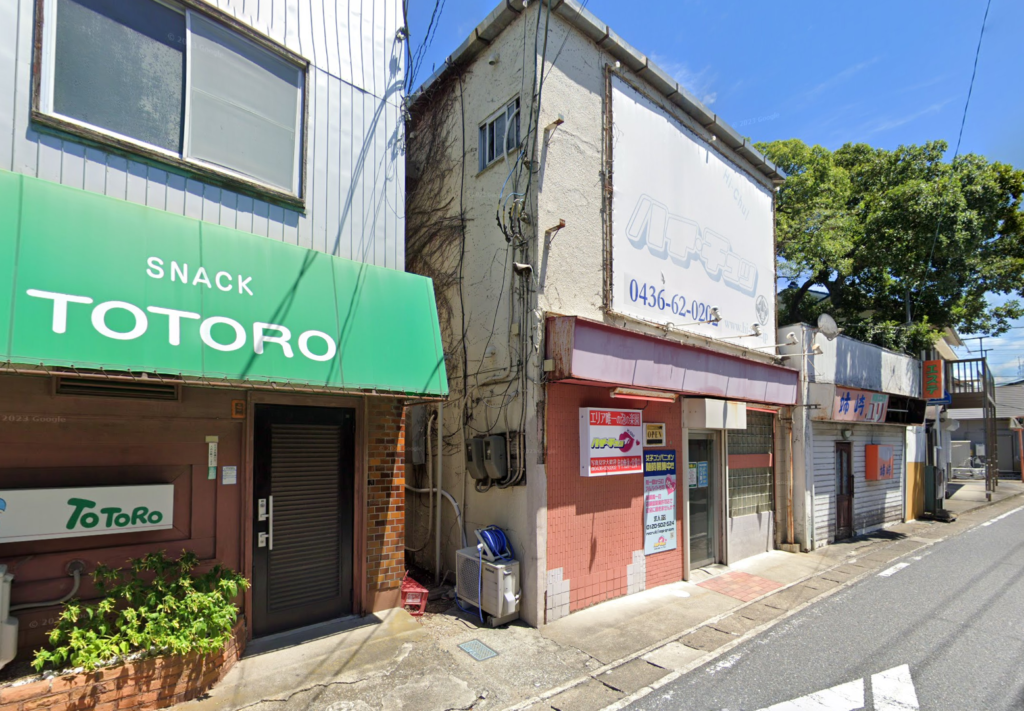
(440, 487)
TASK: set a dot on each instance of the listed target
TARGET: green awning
(95, 282)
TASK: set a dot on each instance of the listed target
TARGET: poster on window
(659, 500)
(611, 442)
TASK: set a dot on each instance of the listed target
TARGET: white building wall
(875, 503)
(355, 174)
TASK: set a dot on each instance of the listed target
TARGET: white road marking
(1002, 516)
(895, 569)
(894, 690)
(845, 697)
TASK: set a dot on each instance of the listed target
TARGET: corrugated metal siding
(355, 174)
(874, 502)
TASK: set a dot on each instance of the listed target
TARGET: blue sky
(884, 73)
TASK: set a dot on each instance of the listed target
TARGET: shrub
(154, 606)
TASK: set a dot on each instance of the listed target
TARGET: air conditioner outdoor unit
(8, 624)
(492, 587)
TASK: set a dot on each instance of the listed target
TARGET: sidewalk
(602, 657)
(965, 494)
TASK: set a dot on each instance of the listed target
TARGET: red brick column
(385, 503)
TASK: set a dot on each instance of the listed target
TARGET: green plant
(153, 606)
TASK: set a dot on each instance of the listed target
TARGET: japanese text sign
(659, 500)
(611, 442)
(931, 382)
(859, 406)
(880, 462)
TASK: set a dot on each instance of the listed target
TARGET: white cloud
(700, 83)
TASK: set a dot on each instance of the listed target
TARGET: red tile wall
(385, 496)
(595, 523)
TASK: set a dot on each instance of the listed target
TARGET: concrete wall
(355, 173)
(917, 444)
(853, 364)
(749, 535)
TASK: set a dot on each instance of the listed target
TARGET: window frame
(503, 111)
(45, 118)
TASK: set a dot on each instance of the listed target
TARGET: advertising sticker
(611, 442)
(659, 500)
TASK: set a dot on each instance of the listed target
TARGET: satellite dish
(827, 326)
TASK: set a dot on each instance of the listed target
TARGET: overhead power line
(974, 73)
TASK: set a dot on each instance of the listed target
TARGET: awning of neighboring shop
(92, 282)
(587, 351)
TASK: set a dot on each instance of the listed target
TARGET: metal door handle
(270, 516)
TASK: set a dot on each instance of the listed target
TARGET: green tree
(903, 243)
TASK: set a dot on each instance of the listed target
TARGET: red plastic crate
(414, 596)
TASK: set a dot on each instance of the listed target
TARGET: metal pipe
(75, 573)
(440, 487)
(452, 501)
(429, 489)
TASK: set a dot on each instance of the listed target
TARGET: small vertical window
(501, 127)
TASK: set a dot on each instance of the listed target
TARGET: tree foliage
(871, 227)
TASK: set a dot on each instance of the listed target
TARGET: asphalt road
(954, 615)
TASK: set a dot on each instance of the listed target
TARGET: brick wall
(385, 502)
(596, 523)
(153, 683)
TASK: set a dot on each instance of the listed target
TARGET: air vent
(135, 389)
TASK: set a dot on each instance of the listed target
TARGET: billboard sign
(690, 229)
(611, 442)
(41, 514)
(931, 381)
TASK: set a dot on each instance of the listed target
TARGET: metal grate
(752, 490)
(478, 650)
(305, 561)
(135, 389)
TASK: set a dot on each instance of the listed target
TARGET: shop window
(172, 83)
(500, 128)
(751, 488)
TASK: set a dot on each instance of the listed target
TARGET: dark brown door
(844, 490)
(303, 533)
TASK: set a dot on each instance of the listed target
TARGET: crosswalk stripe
(893, 690)
(845, 697)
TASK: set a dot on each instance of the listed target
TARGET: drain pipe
(429, 490)
(75, 569)
(452, 501)
(440, 487)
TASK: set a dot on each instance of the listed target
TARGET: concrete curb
(710, 656)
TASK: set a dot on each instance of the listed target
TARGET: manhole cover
(478, 650)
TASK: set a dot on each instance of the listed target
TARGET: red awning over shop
(588, 351)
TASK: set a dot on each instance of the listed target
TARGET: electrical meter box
(475, 458)
(495, 457)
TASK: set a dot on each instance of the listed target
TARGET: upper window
(168, 78)
(501, 128)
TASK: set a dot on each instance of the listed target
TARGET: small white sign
(229, 476)
(42, 514)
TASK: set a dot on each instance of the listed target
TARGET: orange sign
(931, 382)
(880, 462)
